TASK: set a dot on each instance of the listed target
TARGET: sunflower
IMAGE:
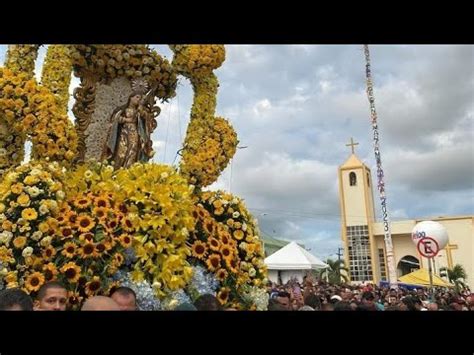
(71, 271)
(86, 237)
(102, 201)
(111, 225)
(29, 214)
(100, 212)
(214, 244)
(100, 247)
(238, 234)
(125, 240)
(93, 286)
(69, 250)
(127, 224)
(66, 232)
(208, 226)
(71, 217)
(34, 281)
(74, 298)
(223, 295)
(82, 202)
(213, 262)
(226, 252)
(202, 213)
(84, 223)
(224, 237)
(221, 274)
(232, 264)
(88, 251)
(199, 249)
(50, 271)
(118, 258)
(19, 242)
(48, 252)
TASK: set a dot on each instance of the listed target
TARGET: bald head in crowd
(100, 303)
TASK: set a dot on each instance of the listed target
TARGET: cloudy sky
(294, 109)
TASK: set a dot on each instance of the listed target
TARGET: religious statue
(129, 138)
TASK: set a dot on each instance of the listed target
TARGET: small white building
(291, 261)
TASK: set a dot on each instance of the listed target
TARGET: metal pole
(430, 271)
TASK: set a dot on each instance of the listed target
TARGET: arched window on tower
(368, 179)
(352, 179)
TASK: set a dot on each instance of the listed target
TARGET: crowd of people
(52, 296)
(321, 296)
(293, 296)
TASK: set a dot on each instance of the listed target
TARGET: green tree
(336, 273)
(457, 275)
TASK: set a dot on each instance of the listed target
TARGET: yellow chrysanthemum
(238, 234)
(29, 214)
(34, 281)
(43, 227)
(199, 249)
(213, 262)
(84, 223)
(71, 271)
(23, 199)
(17, 188)
(69, 250)
(19, 242)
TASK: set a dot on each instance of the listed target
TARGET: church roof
(353, 161)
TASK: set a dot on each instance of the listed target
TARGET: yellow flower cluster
(208, 149)
(28, 203)
(226, 240)
(56, 75)
(93, 230)
(159, 213)
(12, 147)
(21, 58)
(197, 60)
(132, 61)
(161, 202)
(31, 110)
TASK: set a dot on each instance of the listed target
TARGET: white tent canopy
(293, 257)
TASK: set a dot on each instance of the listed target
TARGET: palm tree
(334, 272)
(456, 275)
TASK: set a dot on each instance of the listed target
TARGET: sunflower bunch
(56, 75)
(161, 201)
(226, 241)
(28, 205)
(93, 231)
(131, 61)
(197, 60)
(31, 110)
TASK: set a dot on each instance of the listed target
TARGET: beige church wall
(354, 199)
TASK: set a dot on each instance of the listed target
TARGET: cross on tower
(448, 249)
(352, 144)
